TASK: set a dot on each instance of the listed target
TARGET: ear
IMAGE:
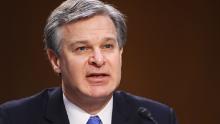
(120, 52)
(54, 60)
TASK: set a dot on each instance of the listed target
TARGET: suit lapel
(56, 112)
(125, 110)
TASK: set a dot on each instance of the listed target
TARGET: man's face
(90, 59)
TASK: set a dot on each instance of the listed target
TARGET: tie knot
(94, 120)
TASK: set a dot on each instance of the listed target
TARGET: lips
(97, 77)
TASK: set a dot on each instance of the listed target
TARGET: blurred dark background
(172, 54)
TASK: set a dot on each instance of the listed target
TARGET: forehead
(95, 28)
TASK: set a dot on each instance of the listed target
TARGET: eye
(81, 49)
(108, 46)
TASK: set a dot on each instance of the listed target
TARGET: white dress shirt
(77, 115)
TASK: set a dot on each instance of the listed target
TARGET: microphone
(145, 113)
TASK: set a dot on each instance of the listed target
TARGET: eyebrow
(73, 44)
(80, 42)
(110, 38)
(87, 41)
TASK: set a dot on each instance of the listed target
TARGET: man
(84, 42)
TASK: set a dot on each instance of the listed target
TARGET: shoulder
(158, 110)
(139, 101)
(28, 101)
(25, 107)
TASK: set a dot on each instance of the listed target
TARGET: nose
(97, 59)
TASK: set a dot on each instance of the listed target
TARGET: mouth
(97, 77)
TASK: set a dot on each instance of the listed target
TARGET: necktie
(94, 120)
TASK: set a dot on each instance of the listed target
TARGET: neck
(88, 104)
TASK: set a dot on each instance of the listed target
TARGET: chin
(103, 94)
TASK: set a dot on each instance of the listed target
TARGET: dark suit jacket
(47, 107)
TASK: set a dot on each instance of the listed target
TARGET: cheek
(75, 66)
(78, 64)
(116, 64)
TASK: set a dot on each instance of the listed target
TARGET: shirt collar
(77, 115)
(106, 113)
